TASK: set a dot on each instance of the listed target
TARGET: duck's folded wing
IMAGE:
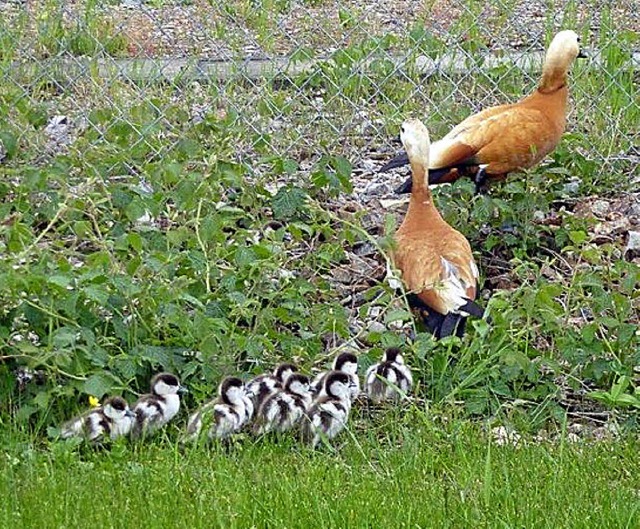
(148, 413)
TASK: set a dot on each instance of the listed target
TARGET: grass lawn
(418, 476)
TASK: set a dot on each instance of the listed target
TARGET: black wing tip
(472, 309)
(399, 161)
(404, 188)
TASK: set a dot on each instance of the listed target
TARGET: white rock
(633, 244)
(504, 436)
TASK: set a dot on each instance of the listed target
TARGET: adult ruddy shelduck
(435, 260)
(506, 138)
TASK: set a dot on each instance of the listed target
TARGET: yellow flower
(93, 401)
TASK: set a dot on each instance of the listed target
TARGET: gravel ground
(222, 29)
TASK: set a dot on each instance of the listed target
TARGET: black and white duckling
(329, 412)
(383, 379)
(347, 363)
(223, 416)
(154, 410)
(113, 419)
(260, 387)
(284, 408)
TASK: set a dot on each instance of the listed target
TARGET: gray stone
(633, 243)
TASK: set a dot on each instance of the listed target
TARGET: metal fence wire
(301, 78)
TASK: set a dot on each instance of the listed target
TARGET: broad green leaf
(289, 202)
(98, 385)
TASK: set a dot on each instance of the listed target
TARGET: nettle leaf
(290, 201)
(97, 293)
(397, 315)
(125, 366)
(343, 171)
(10, 143)
(98, 385)
(245, 256)
(60, 280)
(155, 354)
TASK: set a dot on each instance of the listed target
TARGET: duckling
(382, 379)
(436, 261)
(154, 410)
(113, 419)
(347, 363)
(506, 138)
(260, 387)
(222, 416)
(284, 408)
(329, 412)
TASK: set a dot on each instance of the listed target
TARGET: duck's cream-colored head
(562, 51)
(415, 139)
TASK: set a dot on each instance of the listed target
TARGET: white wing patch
(451, 288)
(474, 269)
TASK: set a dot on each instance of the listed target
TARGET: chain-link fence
(298, 79)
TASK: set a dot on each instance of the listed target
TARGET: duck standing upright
(113, 419)
(384, 379)
(329, 412)
(506, 138)
(260, 387)
(223, 416)
(154, 410)
(284, 408)
(436, 262)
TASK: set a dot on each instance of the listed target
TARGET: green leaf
(289, 202)
(578, 237)
(59, 280)
(98, 385)
(96, 293)
(397, 315)
(10, 143)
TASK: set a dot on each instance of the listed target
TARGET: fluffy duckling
(382, 379)
(154, 410)
(436, 262)
(284, 408)
(260, 387)
(329, 413)
(506, 138)
(347, 363)
(113, 419)
(223, 416)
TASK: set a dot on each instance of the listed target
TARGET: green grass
(224, 279)
(413, 476)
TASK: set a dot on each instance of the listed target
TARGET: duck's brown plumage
(435, 260)
(510, 137)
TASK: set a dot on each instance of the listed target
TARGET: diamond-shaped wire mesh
(303, 78)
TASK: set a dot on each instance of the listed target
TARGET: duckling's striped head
(298, 384)
(337, 384)
(116, 408)
(347, 363)
(393, 354)
(166, 384)
(231, 390)
(416, 141)
(284, 371)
